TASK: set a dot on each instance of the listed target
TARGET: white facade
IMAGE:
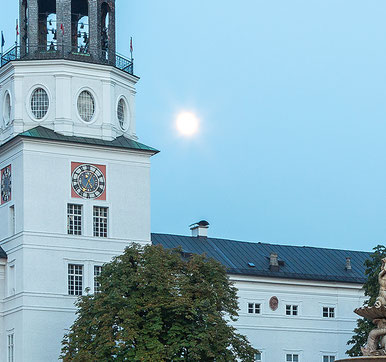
(35, 306)
(307, 334)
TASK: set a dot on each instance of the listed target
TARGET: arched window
(47, 24)
(80, 30)
(105, 22)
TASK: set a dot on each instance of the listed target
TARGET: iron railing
(54, 51)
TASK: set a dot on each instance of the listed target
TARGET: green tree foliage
(153, 305)
(371, 289)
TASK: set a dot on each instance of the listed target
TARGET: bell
(79, 34)
(55, 37)
(53, 31)
(81, 25)
(50, 22)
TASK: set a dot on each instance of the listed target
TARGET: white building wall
(308, 334)
(37, 308)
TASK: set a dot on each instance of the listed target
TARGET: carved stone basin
(371, 312)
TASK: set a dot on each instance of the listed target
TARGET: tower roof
(122, 142)
(3, 255)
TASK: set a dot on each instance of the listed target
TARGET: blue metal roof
(305, 263)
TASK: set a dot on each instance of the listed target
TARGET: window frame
(329, 312)
(253, 308)
(329, 356)
(75, 216)
(29, 102)
(71, 289)
(292, 354)
(97, 231)
(11, 346)
(96, 105)
(95, 275)
(293, 310)
(261, 356)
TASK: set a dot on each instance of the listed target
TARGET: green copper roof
(120, 142)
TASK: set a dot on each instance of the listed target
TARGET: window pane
(289, 357)
(288, 310)
(258, 357)
(295, 358)
(39, 103)
(86, 106)
(75, 279)
(97, 272)
(74, 219)
(100, 221)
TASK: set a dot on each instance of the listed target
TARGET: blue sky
(291, 97)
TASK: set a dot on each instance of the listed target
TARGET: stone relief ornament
(376, 342)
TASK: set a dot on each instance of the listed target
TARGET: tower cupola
(82, 30)
(64, 73)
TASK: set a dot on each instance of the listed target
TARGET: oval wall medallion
(274, 303)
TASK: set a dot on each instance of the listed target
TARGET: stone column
(63, 16)
(33, 26)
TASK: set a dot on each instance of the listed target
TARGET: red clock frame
(102, 168)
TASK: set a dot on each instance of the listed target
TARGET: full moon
(187, 123)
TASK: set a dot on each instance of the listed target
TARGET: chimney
(274, 262)
(200, 229)
(348, 264)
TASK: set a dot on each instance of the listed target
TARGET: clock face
(6, 184)
(88, 181)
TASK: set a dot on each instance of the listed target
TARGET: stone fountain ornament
(375, 349)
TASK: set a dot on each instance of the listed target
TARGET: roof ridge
(268, 243)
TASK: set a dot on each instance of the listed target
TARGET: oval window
(39, 103)
(121, 113)
(7, 109)
(86, 106)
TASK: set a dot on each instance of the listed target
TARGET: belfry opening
(80, 28)
(47, 33)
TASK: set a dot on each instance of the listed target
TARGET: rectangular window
(254, 308)
(100, 221)
(12, 220)
(258, 357)
(74, 219)
(75, 279)
(291, 309)
(97, 272)
(292, 357)
(12, 280)
(11, 348)
(328, 358)
(328, 312)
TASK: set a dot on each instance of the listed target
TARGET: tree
(371, 289)
(156, 305)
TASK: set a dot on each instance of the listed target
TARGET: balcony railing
(53, 51)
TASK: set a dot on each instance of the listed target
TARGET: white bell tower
(75, 182)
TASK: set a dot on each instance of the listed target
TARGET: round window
(39, 103)
(7, 108)
(121, 113)
(86, 106)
